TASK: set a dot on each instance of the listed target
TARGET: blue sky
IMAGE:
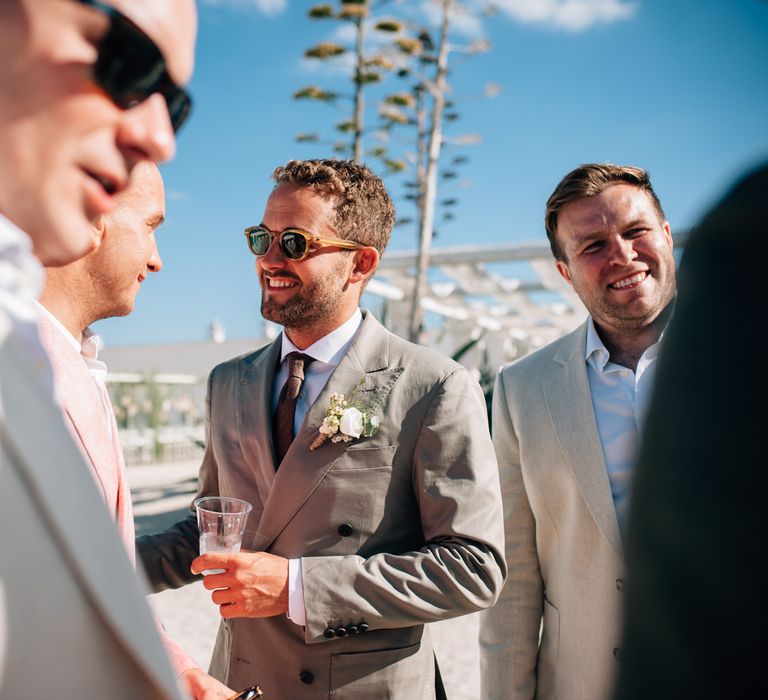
(680, 88)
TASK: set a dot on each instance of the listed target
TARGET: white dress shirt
(326, 353)
(21, 281)
(620, 400)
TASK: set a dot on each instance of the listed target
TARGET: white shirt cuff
(296, 611)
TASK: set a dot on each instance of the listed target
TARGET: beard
(633, 315)
(310, 305)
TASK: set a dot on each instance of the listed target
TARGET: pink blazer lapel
(80, 401)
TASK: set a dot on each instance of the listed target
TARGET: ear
(98, 229)
(565, 273)
(366, 260)
(668, 231)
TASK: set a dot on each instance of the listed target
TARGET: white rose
(351, 422)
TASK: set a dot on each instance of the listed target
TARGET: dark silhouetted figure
(696, 620)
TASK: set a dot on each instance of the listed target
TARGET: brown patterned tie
(286, 403)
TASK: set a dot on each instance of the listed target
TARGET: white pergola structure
(508, 315)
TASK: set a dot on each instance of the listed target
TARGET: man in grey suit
(78, 109)
(566, 422)
(364, 528)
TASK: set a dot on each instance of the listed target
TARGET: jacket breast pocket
(396, 674)
(364, 456)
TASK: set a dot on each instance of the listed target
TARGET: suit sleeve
(460, 568)
(509, 634)
(167, 556)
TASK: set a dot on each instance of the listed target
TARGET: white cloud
(266, 7)
(570, 15)
(465, 21)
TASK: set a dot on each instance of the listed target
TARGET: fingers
(214, 581)
(223, 597)
(213, 560)
(230, 611)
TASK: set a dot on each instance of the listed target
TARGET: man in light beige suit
(358, 538)
(76, 114)
(566, 422)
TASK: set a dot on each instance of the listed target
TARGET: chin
(59, 248)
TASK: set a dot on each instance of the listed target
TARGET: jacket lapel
(82, 404)
(254, 414)
(303, 469)
(569, 402)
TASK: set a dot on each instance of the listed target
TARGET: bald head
(105, 282)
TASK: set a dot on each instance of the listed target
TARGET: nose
(155, 262)
(147, 128)
(273, 259)
(623, 251)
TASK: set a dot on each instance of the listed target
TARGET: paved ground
(161, 495)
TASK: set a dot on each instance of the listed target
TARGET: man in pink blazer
(103, 284)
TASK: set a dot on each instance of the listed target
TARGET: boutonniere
(347, 419)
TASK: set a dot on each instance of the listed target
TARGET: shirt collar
(91, 343)
(58, 325)
(598, 356)
(330, 348)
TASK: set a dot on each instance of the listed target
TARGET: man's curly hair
(364, 211)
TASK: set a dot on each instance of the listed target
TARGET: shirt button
(306, 677)
(345, 529)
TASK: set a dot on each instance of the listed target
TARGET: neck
(69, 315)
(303, 337)
(627, 345)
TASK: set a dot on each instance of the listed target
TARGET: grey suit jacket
(563, 546)
(393, 531)
(73, 620)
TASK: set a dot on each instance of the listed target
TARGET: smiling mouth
(630, 282)
(279, 283)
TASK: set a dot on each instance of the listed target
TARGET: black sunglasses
(294, 243)
(131, 67)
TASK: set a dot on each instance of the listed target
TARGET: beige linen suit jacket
(393, 531)
(73, 620)
(563, 546)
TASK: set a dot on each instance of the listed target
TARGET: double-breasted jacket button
(329, 633)
(341, 631)
(617, 654)
(363, 627)
(306, 677)
(620, 585)
(345, 529)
